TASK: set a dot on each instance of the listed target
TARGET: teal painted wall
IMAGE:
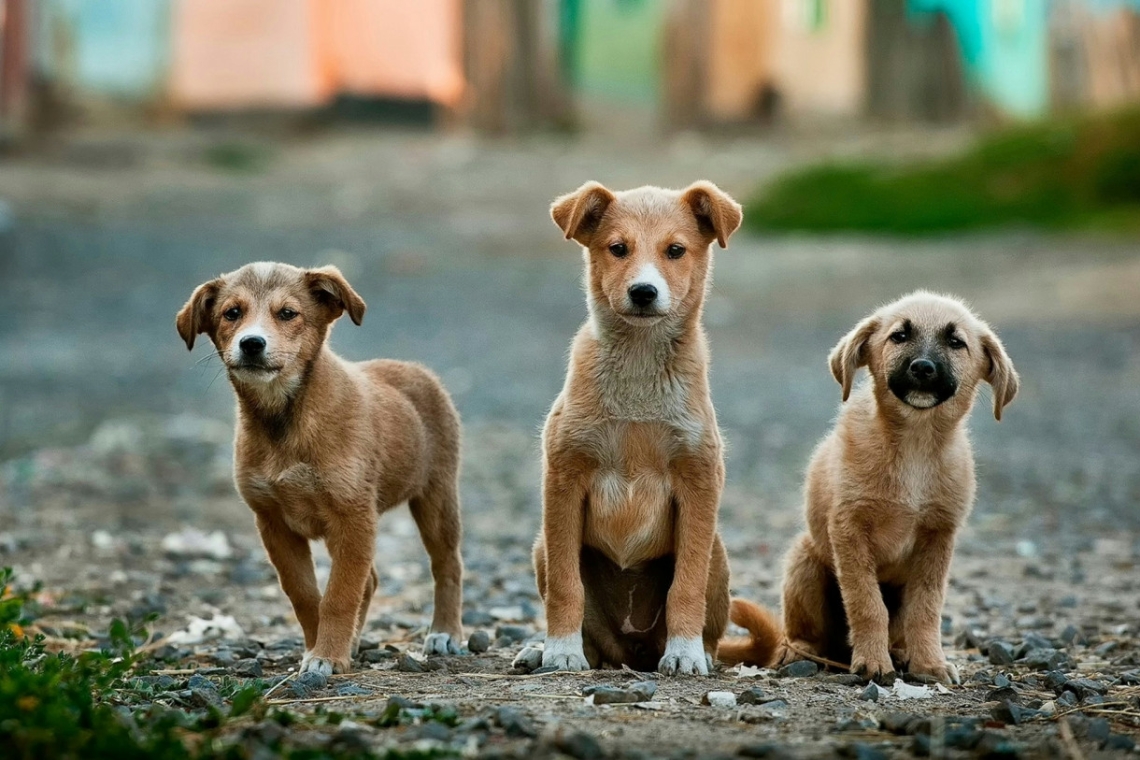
(617, 48)
(119, 48)
(1005, 45)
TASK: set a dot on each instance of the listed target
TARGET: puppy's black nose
(642, 294)
(252, 345)
(922, 369)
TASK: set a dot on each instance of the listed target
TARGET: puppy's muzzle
(252, 347)
(642, 295)
(922, 382)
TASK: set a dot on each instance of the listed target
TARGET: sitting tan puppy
(325, 446)
(886, 493)
(629, 563)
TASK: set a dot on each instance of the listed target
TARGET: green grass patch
(97, 705)
(1078, 174)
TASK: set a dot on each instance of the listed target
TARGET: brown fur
(628, 558)
(324, 446)
(886, 492)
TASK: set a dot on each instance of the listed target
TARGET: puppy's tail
(759, 648)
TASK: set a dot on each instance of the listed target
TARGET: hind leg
(805, 603)
(369, 592)
(436, 513)
(716, 601)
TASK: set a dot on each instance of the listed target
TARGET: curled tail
(759, 648)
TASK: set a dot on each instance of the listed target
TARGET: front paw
(441, 643)
(876, 666)
(686, 657)
(564, 653)
(941, 670)
(326, 666)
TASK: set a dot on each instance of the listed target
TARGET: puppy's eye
(675, 251)
(619, 249)
(232, 314)
(286, 314)
(898, 336)
(955, 342)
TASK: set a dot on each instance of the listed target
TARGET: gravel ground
(115, 489)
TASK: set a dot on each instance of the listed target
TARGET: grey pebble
(248, 668)
(1045, 659)
(352, 690)
(1000, 652)
(514, 722)
(512, 633)
(798, 669)
(873, 693)
(479, 642)
(579, 745)
(409, 664)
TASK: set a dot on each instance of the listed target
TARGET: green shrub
(1077, 174)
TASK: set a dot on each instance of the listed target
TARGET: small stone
(1105, 649)
(1044, 659)
(873, 693)
(846, 679)
(996, 745)
(479, 642)
(1035, 640)
(409, 664)
(1120, 742)
(225, 656)
(477, 618)
(434, 731)
(612, 695)
(1008, 713)
(719, 699)
(862, 751)
(982, 677)
(899, 723)
(1000, 652)
(514, 722)
(1067, 699)
(763, 749)
(367, 644)
(798, 669)
(1071, 635)
(1055, 679)
(1001, 681)
(1130, 678)
(352, 690)
(964, 737)
(644, 690)
(579, 745)
(306, 683)
(373, 656)
(1004, 694)
(248, 668)
(512, 633)
(1085, 687)
(753, 696)
(1048, 709)
(203, 693)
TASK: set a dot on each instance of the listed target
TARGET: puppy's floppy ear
(195, 317)
(850, 354)
(579, 213)
(330, 288)
(718, 215)
(1000, 374)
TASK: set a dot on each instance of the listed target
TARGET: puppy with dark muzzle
(886, 493)
(324, 446)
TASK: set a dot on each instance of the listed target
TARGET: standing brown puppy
(886, 493)
(629, 562)
(325, 446)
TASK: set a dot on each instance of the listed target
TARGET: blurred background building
(513, 65)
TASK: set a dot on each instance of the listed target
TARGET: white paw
(530, 658)
(686, 657)
(440, 643)
(564, 653)
(310, 664)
